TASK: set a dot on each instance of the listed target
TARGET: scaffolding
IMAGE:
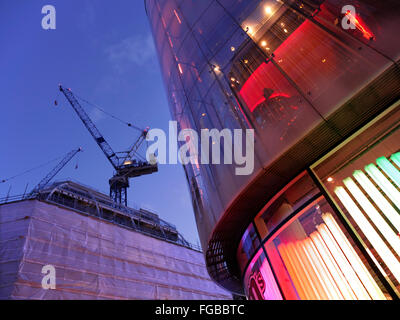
(99, 249)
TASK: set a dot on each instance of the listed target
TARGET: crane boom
(98, 137)
(43, 183)
(125, 166)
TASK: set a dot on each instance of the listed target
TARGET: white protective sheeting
(93, 259)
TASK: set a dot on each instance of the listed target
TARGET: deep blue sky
(103, 50)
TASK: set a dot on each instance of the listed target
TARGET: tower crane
(124, 163)
(43, 183)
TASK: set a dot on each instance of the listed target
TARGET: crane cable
(30, 170)
(109, 114)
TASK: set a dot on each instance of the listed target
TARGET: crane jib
(126, 167)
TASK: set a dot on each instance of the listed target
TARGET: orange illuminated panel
(313, 260)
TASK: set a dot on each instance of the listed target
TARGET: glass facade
(288, 70)
(333, 232)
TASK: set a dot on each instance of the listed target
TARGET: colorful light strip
(389, 169)
(343, 264)
(333, 268)
(289, 264)
(396, 158)
(373, 214)
(370, 284)
(309, 271)
(324, 278)
(373, 237)
(384, 184)
(360, 26)
(378, 199)
(271, 290)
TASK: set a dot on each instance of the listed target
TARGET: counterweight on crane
(126, 165)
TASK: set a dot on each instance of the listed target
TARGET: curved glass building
(319, 82)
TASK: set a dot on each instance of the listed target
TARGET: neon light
(384, 184)
(332, 266)
(378, 199)
(321, 279)
(293, 272)
(389, 169)
(396, 158)
(369, 232)
(307, 270)
(373, 214)
(370, 284)
(327, 279)
(342, 262)
(271, 291)
(303, 277)
(359, 25)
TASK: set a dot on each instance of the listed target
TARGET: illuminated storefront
(320, 216)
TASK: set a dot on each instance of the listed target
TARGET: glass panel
(377, 23)
(247, 246)
(314, 259)
(259, 281)
(293, 196)
(325, 68)
(363, 177)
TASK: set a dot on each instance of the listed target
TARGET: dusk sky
(104, 52)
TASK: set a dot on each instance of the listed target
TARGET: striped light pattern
(396, 158)
(373, 203)
(325, 266)
(389, 169)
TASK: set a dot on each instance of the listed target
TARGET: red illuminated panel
(252, 91)
(266, 75)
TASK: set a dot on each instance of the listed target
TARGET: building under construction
(99, 249)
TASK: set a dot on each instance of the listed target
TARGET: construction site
(97, 246)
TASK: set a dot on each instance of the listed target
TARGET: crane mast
(126, 166)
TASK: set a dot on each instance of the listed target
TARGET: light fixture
(384, 205)
(330, 179)
(396, 158)
(332, 267)
(268, 10)
(373, 214)
(384, 184)
(389, 169)
(233, 49)
(341, 260)
(373, 237)
(263, 43)
(370, 284)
